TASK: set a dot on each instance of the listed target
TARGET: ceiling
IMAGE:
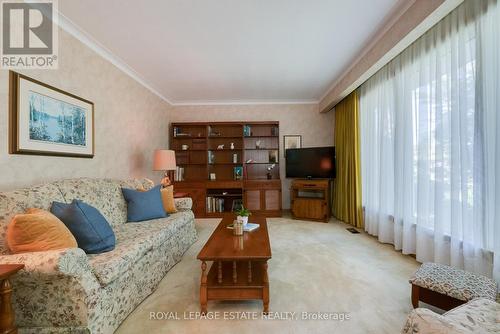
(230, 51)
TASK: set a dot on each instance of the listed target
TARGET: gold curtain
(347, 184)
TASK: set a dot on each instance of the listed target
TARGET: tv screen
(314, 162)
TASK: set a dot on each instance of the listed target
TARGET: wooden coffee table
(239, 265)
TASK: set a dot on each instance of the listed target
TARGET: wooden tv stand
(310, 199)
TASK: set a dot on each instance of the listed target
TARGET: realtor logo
(29, 34)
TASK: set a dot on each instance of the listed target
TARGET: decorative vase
(243, 219)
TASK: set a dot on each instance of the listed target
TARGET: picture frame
(273, 157)
(292, 141)
(238, 173)
(45, 120)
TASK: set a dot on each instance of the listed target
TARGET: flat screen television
(311, 163)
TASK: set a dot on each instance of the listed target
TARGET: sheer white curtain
(488, 92)
(429, 147)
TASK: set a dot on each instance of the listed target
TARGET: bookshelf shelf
(226, 163)
(262, 149)
(262, 163)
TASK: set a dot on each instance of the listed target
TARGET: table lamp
(164, 160)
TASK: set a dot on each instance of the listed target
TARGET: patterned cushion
(422, 320)
(476, 316)
(454, 282)
(133, 242)
(479, 315)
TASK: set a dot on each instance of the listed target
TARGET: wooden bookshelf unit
(222, 165)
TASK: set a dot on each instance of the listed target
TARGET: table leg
(249, 271)
(203, 288)
(6, 312)
(219, 272)
(414, 295)
(235, 275)
(265, 291)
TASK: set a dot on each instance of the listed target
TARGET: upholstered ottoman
(446, 287)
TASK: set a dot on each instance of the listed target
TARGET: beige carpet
(316, 267)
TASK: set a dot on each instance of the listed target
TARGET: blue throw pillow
(144, 205)
(89, 227)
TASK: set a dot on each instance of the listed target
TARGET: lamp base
(167, 179)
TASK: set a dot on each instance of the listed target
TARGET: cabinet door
(252, 200)
(198, 197)
(272, 199)
(308, 208)
(198, 201)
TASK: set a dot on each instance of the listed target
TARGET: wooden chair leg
(414, 295)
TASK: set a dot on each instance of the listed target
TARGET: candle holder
(237, 227)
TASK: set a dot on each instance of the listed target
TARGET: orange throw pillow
(38, 230)
(167, 197)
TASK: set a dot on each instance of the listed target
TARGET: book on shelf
(211, 157)
(215, 204)
(179, 174)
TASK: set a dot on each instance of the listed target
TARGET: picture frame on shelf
(45, 120)
(238, 173)
(273, 156)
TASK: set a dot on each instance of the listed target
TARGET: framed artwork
(45, 120)
(238, 173)
(292, 141)
(273, 157)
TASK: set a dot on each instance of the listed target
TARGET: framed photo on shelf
(238, 173)
(273, 157)
(44, 120)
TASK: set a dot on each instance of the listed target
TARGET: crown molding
(242, 102)
(84, 37)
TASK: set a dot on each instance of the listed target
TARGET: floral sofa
(477, 316)
(68, 291)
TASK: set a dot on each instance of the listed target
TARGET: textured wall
(316, 128)
(130, 122)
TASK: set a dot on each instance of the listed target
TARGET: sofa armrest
(55, 287)
(422, 320)
(48, 265)
(183, 203)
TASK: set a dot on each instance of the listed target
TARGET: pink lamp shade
(164, 160)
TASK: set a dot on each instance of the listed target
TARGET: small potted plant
(243, 215)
